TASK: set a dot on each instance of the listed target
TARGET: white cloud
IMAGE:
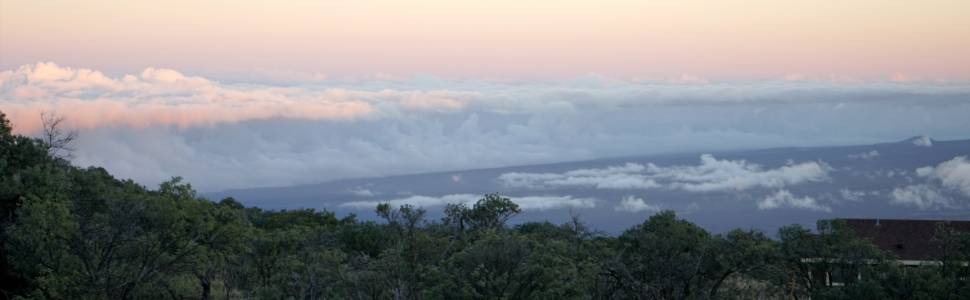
(923, 196)
(615, 177)
(923, 141)
(720, 175)
(158, 123)
(164, 97)
(945, 180)
(865, 155)
(856, 195)
(417, 201)
(635, 205)
(710, 176)
(362, 192)
(553, 202)
(538, 203)
(785, 199)
(953, 174)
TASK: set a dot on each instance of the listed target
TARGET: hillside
(761, 189)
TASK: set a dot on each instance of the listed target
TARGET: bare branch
(59, 142)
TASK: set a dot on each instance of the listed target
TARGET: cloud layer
(865, 155)
(922, 196)
(947, 186)
(953, 174)
(711, 175)
(533, 203)
(785, 199)
(923, 141)
(164, 97)
(629, 176)
(159, 123)
(635, 205)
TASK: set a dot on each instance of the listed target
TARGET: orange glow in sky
(729, 40)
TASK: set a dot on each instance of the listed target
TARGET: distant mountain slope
(914, 178)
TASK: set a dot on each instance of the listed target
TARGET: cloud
(362, 192)
(553, 202)
(718, 175)
(923, 196)
(865, 155)
(855, 195)
(953, 174)
(711, 175)
(901, 77)
(528, 203)
(947, 184)
(923, 141)
(417, 201)
(159, 96)
(616, 177)
(157, 123)
(635, 205)
(168, 98)
(785, 199)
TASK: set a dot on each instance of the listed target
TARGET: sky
(503, 39)
(232, 94)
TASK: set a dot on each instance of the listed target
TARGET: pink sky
(720, 40)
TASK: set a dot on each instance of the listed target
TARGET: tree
(496, 266)
(663, 258)
(97, 237)
(492, 211)
(747, 256)
(25, 169)
(223, 238)
(19, 154)
(57, 140)
(954, 249)
(80, 233)
(833, 253)
(407, 263)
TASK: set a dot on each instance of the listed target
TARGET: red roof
(907, 239)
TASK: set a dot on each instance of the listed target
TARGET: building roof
(907, 239)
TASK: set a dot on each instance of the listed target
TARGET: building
(912, 242)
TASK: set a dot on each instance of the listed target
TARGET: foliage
(79, 233)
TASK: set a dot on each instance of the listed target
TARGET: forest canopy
(80, 233)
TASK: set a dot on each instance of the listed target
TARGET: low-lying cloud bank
(947, 186)
(629, 176)
(865, 155)
(711, 175)
(785, 199)
(635, 205)
(164, 97)
(534, 203)
(953, 174)
(159, 96)
(159, 123)
(922, 196)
